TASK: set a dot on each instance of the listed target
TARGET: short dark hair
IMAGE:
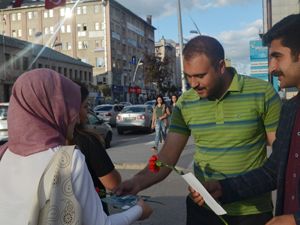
(202, 44)
(288, 30)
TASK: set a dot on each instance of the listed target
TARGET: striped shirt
(230, 133)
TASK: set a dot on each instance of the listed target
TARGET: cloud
(159, 8)
(236, 44)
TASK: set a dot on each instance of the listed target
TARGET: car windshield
(92, 119)
(133, 110)
(3, 112)
(103, 108)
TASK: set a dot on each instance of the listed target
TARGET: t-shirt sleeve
(96, 156)
(99, 159)
(272, 109)
(84, 191)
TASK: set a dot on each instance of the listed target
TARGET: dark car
(101, 127)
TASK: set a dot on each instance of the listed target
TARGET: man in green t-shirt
(232, 118)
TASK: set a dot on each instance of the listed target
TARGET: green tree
(158, 71)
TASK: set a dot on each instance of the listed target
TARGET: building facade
(280, 9)
(102, 33)
(167, 48)
(17, 57)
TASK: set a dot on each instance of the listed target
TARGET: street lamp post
(183, 81)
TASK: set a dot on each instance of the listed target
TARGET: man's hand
(127, 187)
(213, 187)
(282, 220)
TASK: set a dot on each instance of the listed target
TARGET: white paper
(209, 200)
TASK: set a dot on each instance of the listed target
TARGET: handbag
(55, 203)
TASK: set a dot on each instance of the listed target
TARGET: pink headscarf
(42, 105)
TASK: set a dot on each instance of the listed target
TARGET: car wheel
(108, 139)
(120, 131)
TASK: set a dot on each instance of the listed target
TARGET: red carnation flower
(155, 164)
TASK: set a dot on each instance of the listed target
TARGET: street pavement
(130, 153)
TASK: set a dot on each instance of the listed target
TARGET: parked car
(100, 126)
(135, 117)
(151, 103)
(108, 112)
(125, 103)
(3, 122)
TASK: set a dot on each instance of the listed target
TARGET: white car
(108, 112)
(3, 122)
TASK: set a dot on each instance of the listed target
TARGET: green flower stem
(220, 217)
(161, 164)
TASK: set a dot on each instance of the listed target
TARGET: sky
(233, 22)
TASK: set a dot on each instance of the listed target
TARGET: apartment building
(280, 9)
(20, 56)
(167, 48)
(102, 33)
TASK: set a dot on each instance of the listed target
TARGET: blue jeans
(160, 132)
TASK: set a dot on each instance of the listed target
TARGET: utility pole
(269, 25)
(183, 81)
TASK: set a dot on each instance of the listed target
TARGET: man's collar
(237, 81)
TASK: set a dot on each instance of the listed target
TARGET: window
(46, 30)
(51, 30)
(83, 9)
(30, 32)
(80, 75)
(65, 72)
(59, 70)
(51, 13)
(17, 63)
(13, 17)
(76, 78)
(14, 33)
(19, 16)
(25, 63)
(45, 14)
(40, 65)
(35, 14)
(68, 46)
(96, 9)
(70, 73)
(63, 29)
(99, 62)
(62, 12)
(90, 76)
(79, 27)
(68, 28)
(85, 75)
(7, 59)
(79, 44)
(97, 44)
(29, 15)
(78, 10)
(19, 33)
(84, 27)
(85, 44)
(97, 26)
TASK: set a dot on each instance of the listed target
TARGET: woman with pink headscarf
(43, 111)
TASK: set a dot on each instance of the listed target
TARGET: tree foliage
(158, 71)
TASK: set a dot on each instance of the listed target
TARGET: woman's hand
(147, 210)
